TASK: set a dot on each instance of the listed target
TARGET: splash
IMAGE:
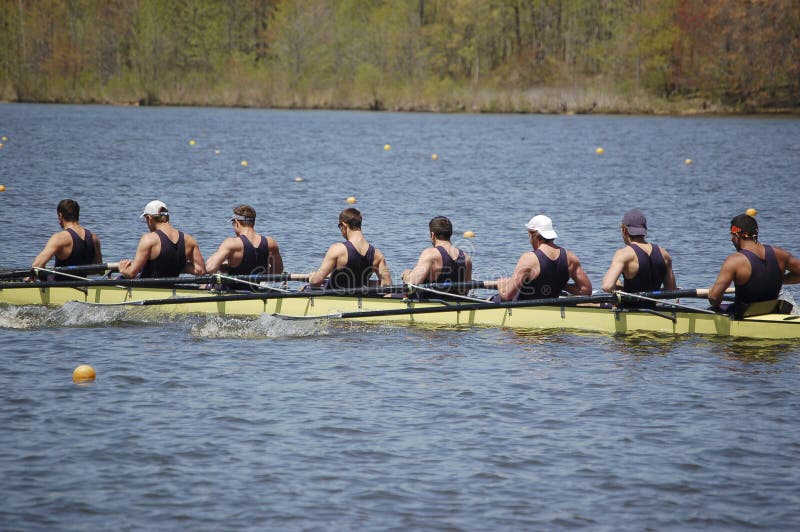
(264, 326)
(72, 314)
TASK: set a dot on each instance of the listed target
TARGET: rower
(758, 271)
(351, 263)
(545, 271)
(248, 253)
(75, 245)
(443, 263)
(164, 251)
(645, 267)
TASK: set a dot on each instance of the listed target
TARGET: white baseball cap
(155, 208)
(542, 225)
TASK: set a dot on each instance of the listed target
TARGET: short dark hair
(69, 210)
(744, 226)
(248, 212)
(441, 227)
(351, 217)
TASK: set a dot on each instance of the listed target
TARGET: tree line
(482, 55)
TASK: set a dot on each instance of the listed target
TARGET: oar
(84, 269)
(460, 307)
(372, 291)
(676, 294)
(159, 281)
(644, 297)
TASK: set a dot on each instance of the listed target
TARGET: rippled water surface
(223, 424)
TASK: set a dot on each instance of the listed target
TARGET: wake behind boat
(604, 313)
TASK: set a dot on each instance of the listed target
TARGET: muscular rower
(73, 246)
(248, 252)
(545, 271)
(351, 263)
(443, 262)
(164, 251)
(644, 266)
(758, 271)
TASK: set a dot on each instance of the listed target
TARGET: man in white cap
(247, 253)
(645, 267)
(545, 271)
(164, 251)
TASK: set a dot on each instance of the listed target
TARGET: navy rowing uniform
(765, 280)
(356, 272)
(553, 277)
(170, 261)
(82, 250)
(255, 260)
(652, 270)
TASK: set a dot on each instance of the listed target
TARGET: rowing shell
(565, 313)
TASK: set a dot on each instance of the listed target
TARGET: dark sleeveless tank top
(652, 271)
(170, 261)
(356, 272)
(765, 280)
(553, 277)
(454, 271)
(82, 250)
(255, 259)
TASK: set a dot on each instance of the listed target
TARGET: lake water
(229, 424)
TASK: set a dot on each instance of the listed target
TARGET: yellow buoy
(599, 151)
(217, 151)
(751, 212)
(387, 147)
(434, 157)
(244, 163)
(2, 188)
(192, 142)
(350, 200)
(469, 234)
(299, 179)
(1, 144)
(4, 138)
(83, 373)
(688, 162)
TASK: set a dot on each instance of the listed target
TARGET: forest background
(551, 56)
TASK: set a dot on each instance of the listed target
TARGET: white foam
(265, 326)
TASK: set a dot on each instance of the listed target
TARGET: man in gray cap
(644, 266)
(545, 271)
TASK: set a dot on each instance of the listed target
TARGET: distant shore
(545, 100)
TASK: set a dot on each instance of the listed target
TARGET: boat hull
(583, 318)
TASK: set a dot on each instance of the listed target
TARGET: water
(223, 424)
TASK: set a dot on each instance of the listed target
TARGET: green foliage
(405, 54)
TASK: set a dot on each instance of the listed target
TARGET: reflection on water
(753, 350)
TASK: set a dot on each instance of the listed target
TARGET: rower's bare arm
(328, 265)
(132, 268)
(275, 259)
(195, 265)
(422, 271)
(726, 276)
(468, 261)
(669, 278)
(611, 277)
(50, 249)
(98, 252)
(581, 285)
(384, 274)
(223, 253)
(525, 270)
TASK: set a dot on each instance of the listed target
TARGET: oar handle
(70, 270)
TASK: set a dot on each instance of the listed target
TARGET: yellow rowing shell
(583, 318)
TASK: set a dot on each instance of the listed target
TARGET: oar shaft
(159, 281)
(72, 270)
(676, 294)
